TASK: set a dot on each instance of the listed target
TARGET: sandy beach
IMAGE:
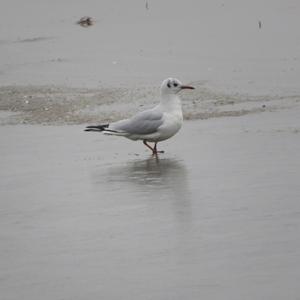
(88, 216)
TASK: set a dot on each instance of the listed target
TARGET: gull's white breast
(171, 125)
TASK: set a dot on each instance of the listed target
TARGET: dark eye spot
(168, 84)
(175, 84)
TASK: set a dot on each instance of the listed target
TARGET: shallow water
(88, 216)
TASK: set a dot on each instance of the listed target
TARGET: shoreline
(53, 105)
(89, 216)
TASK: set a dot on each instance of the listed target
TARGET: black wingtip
(96, 128)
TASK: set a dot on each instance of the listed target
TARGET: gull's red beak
(187, 87)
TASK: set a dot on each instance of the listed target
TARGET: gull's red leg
(155, 149)
(147, 145)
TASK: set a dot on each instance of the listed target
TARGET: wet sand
(90, 216)
(218, 42)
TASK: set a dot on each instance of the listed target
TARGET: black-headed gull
(152, 125)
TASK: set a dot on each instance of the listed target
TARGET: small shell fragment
(86, 22)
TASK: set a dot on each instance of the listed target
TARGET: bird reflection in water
(157, 178)
(162, 174)
(158, 186)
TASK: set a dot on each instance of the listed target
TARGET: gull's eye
(175, 84)
(169, 84)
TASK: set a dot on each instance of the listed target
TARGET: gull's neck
(170, 103)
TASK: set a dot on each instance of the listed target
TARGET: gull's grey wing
(145, 122)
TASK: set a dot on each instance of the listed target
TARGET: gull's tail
(104, 128)
(97, 128)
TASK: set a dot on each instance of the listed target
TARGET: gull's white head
(172, 86)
